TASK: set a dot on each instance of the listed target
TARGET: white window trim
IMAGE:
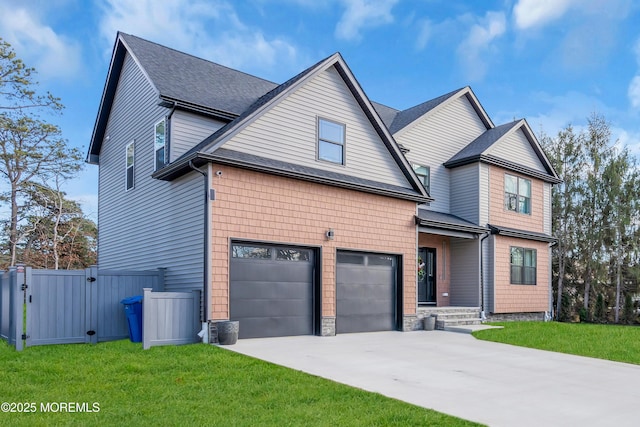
(535, 251)
(518, 179)
(428, 168)
(133, 167)
(166, 154)
(319, 140)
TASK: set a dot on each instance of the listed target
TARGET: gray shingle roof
(522, 234)
(251, 108)
(320, 175)
(447, 221)
(482, 143)
(184, 77)
(387, 114)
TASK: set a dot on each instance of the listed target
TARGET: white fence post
(147, 321)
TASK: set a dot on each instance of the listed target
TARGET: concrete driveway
(494, 384)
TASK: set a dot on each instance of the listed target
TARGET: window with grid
(517, 194)
(331, 136)
(523, 266)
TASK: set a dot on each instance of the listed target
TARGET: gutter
(177, 168)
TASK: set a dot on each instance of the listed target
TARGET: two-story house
(296, 207)
(485, 240)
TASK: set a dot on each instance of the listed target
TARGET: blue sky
(553, 62)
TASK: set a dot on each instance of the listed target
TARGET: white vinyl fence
(83, 306)
(170, 318)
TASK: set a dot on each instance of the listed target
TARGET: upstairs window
(331, 136)
(130, 161)
(424, 174)
(517, 194)
(160, 144)
(523, 266)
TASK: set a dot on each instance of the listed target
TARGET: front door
(426, 276)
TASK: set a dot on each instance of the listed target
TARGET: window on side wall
(160, 144)
(517, 194)
(130, 162)
(331, 141)
(424, 174)
(523, 266)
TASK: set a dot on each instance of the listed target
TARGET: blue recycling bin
(133, 311)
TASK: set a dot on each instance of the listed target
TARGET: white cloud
(537, 13)
(426, 30)
(477, 45)
(360, 14)
(211, 30)
(38, 45)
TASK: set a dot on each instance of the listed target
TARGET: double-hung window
(160, 144)
(523, 266)
(424, 175)
(331, 136)
(130, 161)
(517, 194)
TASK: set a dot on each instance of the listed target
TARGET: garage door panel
(365, 298)
(364, 323)
(275, 271)
(270, 296)
(260, 327)
(270, 290)
(366, 290)
(271, 308)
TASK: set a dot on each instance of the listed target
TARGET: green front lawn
(610, 342)
(186, 385)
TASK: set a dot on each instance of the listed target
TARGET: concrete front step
(449, 317)
(460, 315)
(444, 324)
(468, 329)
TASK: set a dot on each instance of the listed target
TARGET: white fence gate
(170, 318)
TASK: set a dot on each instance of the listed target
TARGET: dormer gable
(406, 119)
(512, 146)
(280, 133)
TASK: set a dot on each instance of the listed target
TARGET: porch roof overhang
(522, 234)
(447, 225)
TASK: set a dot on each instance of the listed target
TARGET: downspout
(548, 316)
(168, 130)
(483, 316)
(204, 333)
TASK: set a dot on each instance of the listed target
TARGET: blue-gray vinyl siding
(436, 138)
(465, 194)
(484, 195)
(516, 147)
(188, 129)
(288, 132)
(488, 274)
(157, 224)
(465, 274)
